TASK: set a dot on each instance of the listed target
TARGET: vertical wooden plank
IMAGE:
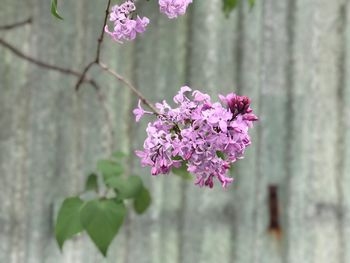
(344, 132)
(69, 120)
(245, 186)
(159, 73)
(313, 192)
(42, 134)
(13, 142)
(298, 243)
(271, 130)
(207, 214)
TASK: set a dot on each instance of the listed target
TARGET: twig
(98, 50)
(40, 63)
(65, 71)
(81, 76)
(45, 65)
(100, 39)
(130, 86)
(18, 24)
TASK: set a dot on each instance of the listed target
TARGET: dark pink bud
(240, 106)
(237, 104)
(250, 117)
(154, 171)
(188, 155)
(209, 182)
(226, 166)
(206, 106)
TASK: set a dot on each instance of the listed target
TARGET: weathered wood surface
(291, 57)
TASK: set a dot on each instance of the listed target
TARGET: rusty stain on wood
(273, 204)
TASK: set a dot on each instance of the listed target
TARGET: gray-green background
(290, 56)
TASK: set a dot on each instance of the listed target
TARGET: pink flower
(207, 137)
(125, 26)
(141, 24)
(139, 112)
(174, 8)
(179, 98)
(199, 96)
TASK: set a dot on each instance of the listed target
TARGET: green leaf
(142, 201)
(126, 187)
(109, 168)
(182, 172)
(177, 158)
(54, 9)
(229, 5)
(91, 183)
(102, 219)
(68, 220)
(220, 155)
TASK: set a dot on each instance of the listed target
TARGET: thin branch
(66, 71)
(45, 65)
(100, 39)
(82, 75)
(98, 50)
(18, 24)
(130, 86)
(40, 63)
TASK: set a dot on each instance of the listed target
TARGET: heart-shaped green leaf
(91, 183)
(102, 219)
(126, 187)
(229, 5)
(109, 168)
(68, 220)
(142, 201)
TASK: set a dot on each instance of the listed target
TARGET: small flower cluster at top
(174, 8)
(127, 24)
(207, 137)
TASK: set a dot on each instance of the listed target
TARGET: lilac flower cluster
(207, 137)
(174, 8)
(126, 26)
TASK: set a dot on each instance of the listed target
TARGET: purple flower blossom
(174, 8)
(207, 137)
(139, 112)
(125, 26)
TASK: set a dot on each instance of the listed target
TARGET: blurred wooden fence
(290, 56)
